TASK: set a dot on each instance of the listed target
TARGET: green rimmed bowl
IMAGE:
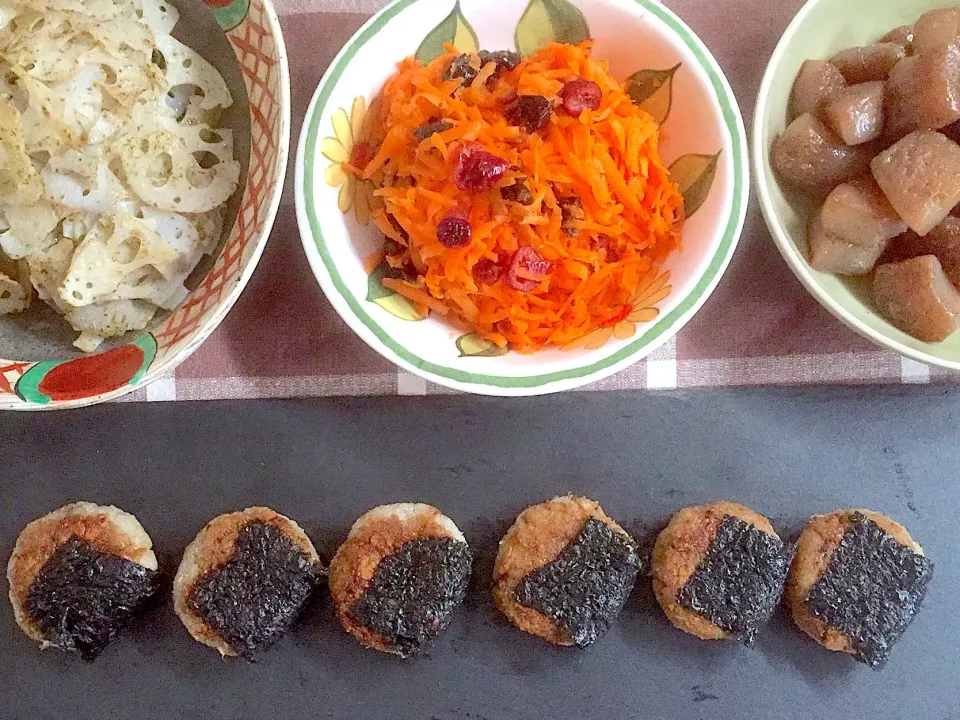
(820, 30)
(674, 77)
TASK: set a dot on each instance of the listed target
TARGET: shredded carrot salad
(541, 267)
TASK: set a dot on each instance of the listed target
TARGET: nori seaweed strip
(872, 589)
(83, 597)
(586, 586)
(253, 599)
(740, 580)
(412, 595)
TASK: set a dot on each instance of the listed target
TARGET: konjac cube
(916, 296)
(836, 255)
(924, 92)
(817, 82)
(872, 62)
(859, 212)
(936, 29)
(810, 155)
(856, 113)
(943, 242)
(920, 176)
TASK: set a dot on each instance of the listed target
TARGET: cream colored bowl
(821, 29)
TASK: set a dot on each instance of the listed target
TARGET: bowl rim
(169, 364)
(785, 244)
(327, 275)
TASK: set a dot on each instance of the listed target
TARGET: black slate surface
(786, 453)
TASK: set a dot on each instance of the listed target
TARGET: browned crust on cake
(213, 548)
(539, 534)
(815, 548)
(94, 524)
(374, 537)
(679, 550)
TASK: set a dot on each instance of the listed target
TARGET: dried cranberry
(454, 231)
(527, 269)
(580, 95)
(477, 170)
(531, 112)
(487, 272)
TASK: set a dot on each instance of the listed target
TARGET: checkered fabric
(283, 339)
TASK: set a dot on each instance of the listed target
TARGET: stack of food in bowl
(864, 178)
(132, 209)
(525, 220)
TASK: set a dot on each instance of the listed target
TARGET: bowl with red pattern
(42, 369)
(666, 70)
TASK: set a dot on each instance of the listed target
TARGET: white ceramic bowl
(50, 374)
(632, 35)
(821, 29)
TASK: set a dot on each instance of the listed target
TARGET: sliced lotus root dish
(564, 571)
(856, 583)
(719, 571)
(15, 288)
(245, 580)
(399, 577)
(79, 575)
(114, 170)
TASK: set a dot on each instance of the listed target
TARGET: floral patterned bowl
(671, 74)
(252, 60)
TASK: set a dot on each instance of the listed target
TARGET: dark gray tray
(786, 453)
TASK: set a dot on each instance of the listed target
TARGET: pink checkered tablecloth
(283, 339)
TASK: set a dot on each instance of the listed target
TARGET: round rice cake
(79, 574)
(399, 576)
(856, 583)
(719, 571)
(564, 571)
(244, 581)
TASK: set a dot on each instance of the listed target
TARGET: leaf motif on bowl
(652, 90)
(394, 303)
(229, 13)
(473, 345)
(454, 30)
(695, 174)
(87, 377)
(546, 21)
